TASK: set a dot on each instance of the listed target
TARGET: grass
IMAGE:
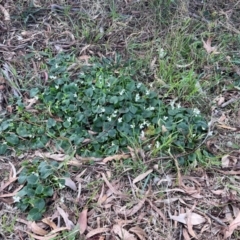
(158, 43)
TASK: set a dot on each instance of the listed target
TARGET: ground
(187, 53)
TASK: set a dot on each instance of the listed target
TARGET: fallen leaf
(139, 232)
(208, 47)
(233, 225)
(132, 211)
(96, 231)
(122, 233)
(116, 157)
(158, 211)
(189, 222)
(69, 223)
(36, 229)
(49, 223)
(111, 186)
(70, 183)
(41, 238)
(185, 234)
(82, 220)
(218, 192)
(141, 176)
(5, 13)
(195, 218)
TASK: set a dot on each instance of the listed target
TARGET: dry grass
(136, 30)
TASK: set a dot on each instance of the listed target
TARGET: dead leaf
(70, 183)
(49, 223)
(195, 218)
(116, 157)
(41, 238)
(31, 102)
(139, 232)
(218, 192)
(158, 211)
(133, 210)
(5, 13)
(189, 222)
(141, 176)
(82, 221)
(208, 47)
(36, 229)
(69, 223)
(233, 225)
(185, 234)
(122, 233)
(96, 231)
(111, 186)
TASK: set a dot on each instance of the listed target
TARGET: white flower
(52, 77)
(147, 123)
(56, 65)
(102, 110)
(132, 125)
(122, 92)
(137, 97)
(139, 85)
(149, 146)
(151, 84)
(109, 119)
(116, 111)
(113, 115)
(113, 144)
(16, 198)
(141, 126)
(165, 118)
(178, 105)
(162, 53)
(75, 95)
(108, 84)
(57, 87)
(151, 108)
(69, 119)
(147, 92)
(142, 134)
(196, 111)
(172, 104)
(120, 120)
(157, 144)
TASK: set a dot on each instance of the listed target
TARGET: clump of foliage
(41, 178)
(97, 110)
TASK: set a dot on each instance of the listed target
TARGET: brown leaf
(185, 235)
(111, 186)
(41, 238)
(116, 157)
(96, 231)
(69, 223)
(49, 223)
(133, 210)
(70, 183)
(36, 229)
(82, 220)
(195, 218)
(5, 13)
(233, 225)
(189, 222)
(225, 161)
(158, 211)
(122, 233)
(208, 47)
(141, 176)
(139, 232)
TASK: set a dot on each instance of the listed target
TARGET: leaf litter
(148, 214)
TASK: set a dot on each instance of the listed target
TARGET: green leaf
(89, 92)
(38, 203)
(34, 92)
(113, 100)
(32, 179)
(133, 109)
(51, 123)
(12, 139)
(48, 191)
(39, 189)
(34, 215)
(3, 149)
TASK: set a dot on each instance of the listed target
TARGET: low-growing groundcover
(98, 110)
